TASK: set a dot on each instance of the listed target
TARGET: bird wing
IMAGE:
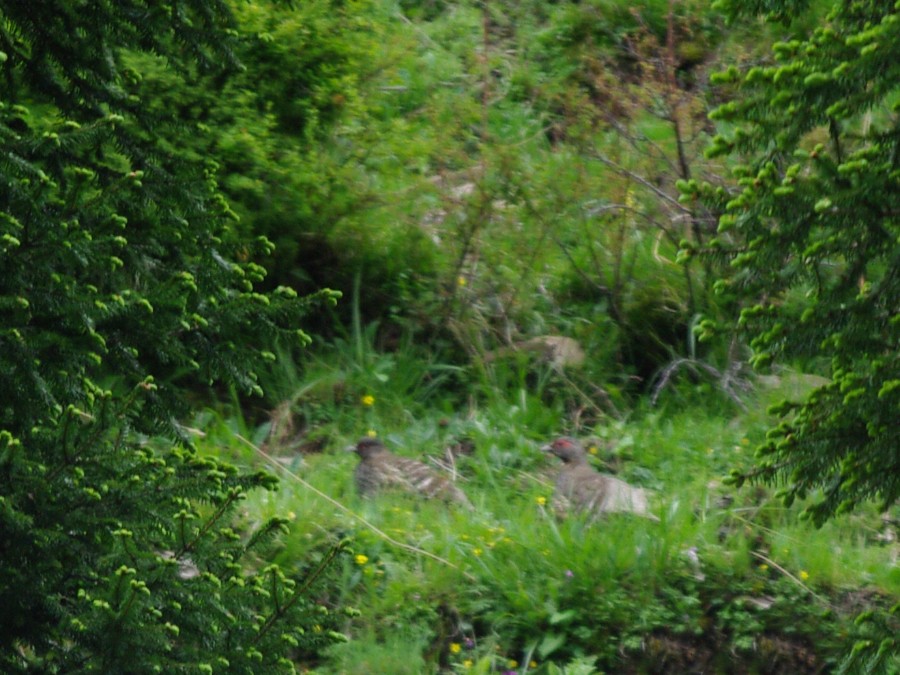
(415, 477)
(598, 493)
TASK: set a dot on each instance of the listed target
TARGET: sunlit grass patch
(522, 583)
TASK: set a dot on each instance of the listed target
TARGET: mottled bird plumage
(580, 487)
(379, 469)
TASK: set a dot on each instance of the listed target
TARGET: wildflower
(455, 648)
(804, 575)
(368, 400)
(470, 643)
(541, 500)
(477, 551)
(468, 663)
(593, 449)
(291, 515)
(532, 664)
(361, 559)
(461, 281)
(745, 441)
(763, 567)
(371, 433)
(512, 664)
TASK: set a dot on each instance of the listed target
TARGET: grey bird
(580, 487)
(379, 469)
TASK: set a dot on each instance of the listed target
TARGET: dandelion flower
(804, 575)
(368, 400)
(468, 663)
(541, 500)
(477, 551)
(593, 449)
(455, 648)
(361, 559)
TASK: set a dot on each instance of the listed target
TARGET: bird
(580, 487)
(380, 469)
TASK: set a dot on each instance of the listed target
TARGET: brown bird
(580, 487)
(380, 469)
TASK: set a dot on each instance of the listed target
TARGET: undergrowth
(728, 580)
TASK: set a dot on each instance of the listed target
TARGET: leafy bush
(815, 256)
(125, 293)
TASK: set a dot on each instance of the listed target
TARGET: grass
(722, 572)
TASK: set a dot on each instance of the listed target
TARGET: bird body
(580, 487)
(379, 469)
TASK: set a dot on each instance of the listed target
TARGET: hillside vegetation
(238, 236)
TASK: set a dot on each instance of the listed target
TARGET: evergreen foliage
(123, 290)
(814, 239)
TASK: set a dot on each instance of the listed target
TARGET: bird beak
(546, 448)
(350, 448)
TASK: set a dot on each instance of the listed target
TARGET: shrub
(124, 292)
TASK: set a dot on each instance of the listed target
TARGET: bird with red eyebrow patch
(580, 487)
(379, 469)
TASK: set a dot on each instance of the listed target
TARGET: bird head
(366, 447)
(567, 449)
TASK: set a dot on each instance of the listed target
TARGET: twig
(790, 576)
(273, 462)
(755, 525)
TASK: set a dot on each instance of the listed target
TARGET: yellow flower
(804, 575)
(593, 450)
(361, 559)
(368, 400)
(541, 500)
(477, 551)
(532, 664)
(371, 433)
(455, 648)
(763, 567)
(461, 281)
(468, 663)
(745, 441)
(512, 664)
